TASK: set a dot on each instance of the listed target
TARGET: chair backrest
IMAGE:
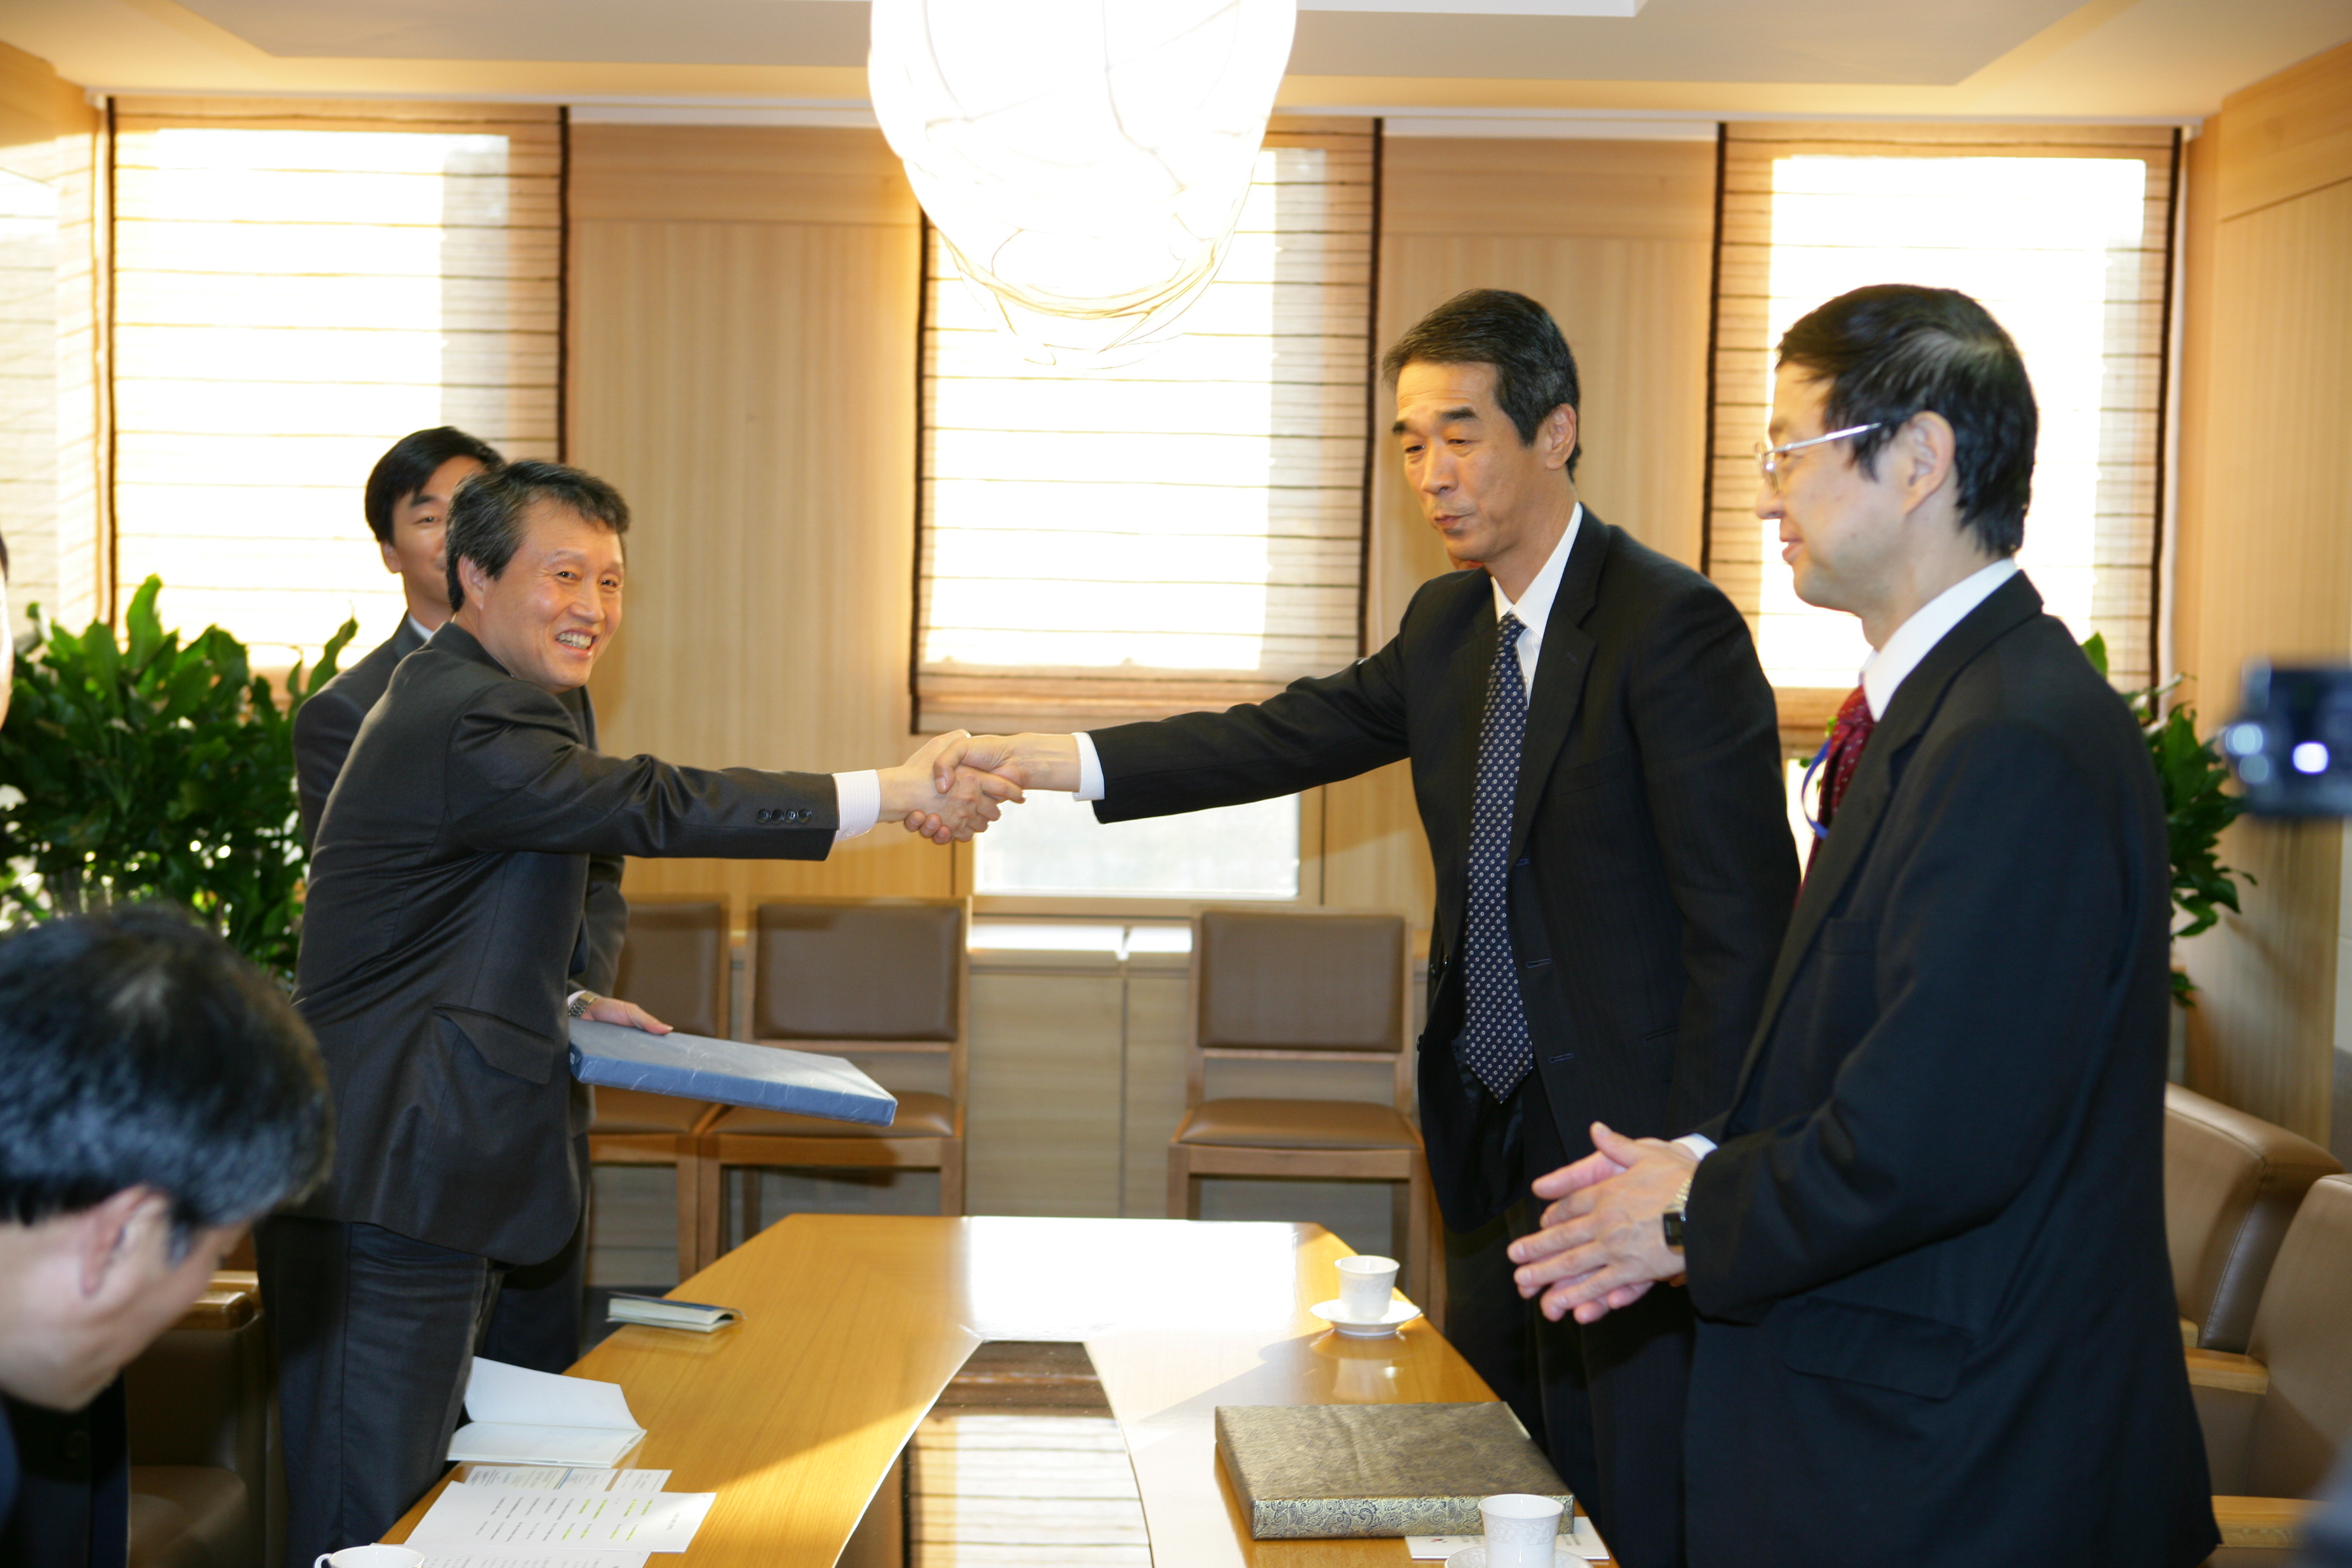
(1298, 983)
(868, 975)
(674, 964)
(2303, 1333)
(2231, 1184)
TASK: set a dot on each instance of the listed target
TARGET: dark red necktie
(1847, 738)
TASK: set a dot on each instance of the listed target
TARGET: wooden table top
(853, 1325)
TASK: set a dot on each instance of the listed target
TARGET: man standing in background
(1596, 755)
(407, 507)
(538, 1321)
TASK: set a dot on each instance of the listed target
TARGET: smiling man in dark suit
(1596, 757)
(1927, 1240)
(538, 1319)
(443, 915)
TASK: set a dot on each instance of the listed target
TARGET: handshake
(955, 785)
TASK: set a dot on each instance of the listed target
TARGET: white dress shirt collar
(1534, 608)
(1885, 670)
(420, 629)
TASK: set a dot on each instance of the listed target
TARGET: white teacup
(1522, 1529)
(1365, 1287)
(370, 1557)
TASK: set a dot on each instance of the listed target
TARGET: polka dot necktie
(1495, 1036)
(1842, 755)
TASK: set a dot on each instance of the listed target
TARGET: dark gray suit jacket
(1652, 867)
(1936, 1318)
(324, 728)
(443, 907)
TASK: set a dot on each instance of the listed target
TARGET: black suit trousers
(1605, 1401)
(375, 1335)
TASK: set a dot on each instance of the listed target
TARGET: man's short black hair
(1893, 350)
(409, 467)
(1534, 371)
(485, 520)
(137, 1049)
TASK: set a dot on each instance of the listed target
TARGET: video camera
(2291, 744)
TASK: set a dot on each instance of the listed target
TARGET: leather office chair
(2231, 1186)
(2275, 1417)
(857, 977)
(199, 1414)
(1303, 985)
(675, 963)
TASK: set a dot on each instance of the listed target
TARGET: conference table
(853, 1325)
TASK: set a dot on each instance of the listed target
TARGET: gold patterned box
(1324, 1471)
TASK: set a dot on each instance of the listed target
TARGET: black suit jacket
(442, 909)
(324, 728)
(1936, 1318)
(1652, 867)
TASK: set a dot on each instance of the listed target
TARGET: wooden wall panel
(2267, 538)
(747, 382)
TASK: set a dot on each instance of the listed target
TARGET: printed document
(492, 1519)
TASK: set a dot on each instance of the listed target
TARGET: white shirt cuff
(1091, 779)
(1700, 1147)
(857, 799)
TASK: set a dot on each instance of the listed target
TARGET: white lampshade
(1085, 160)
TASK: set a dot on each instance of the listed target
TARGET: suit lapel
(1915, 703)
(1566, 658)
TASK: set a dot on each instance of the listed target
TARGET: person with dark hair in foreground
(1597, 758)
(162, 1095)
(442, 925)
(538, 1321)
(1926, 1242)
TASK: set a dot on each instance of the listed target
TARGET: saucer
(1562, 1556)
(1399, 1314)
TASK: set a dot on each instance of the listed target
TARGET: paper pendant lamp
(1084, 161)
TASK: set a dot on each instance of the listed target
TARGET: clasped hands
(934, 795)
(1603, 1244)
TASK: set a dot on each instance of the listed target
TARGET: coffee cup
(1366, 1284)
(370, 1557)
(1522, 1529)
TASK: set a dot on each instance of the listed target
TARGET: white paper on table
(521, 1416)
(1585, 1543)
(566, 1479)
(487, 1519)
(530, 1557)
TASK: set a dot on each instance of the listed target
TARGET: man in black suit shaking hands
(538, 1321)
(1926, 1242)
(444, 913)
(1596, 755)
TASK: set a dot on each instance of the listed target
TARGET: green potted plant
(151, 768)
(2195, 809)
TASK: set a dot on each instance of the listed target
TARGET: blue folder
(694, 1067)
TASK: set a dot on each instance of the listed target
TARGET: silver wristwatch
(581, 1003)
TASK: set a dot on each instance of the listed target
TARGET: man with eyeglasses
(1925, 1243)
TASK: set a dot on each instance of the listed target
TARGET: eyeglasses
(1771, 460)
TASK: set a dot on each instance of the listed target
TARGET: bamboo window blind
(1183, 532)
(296, 286)
(2064, 234)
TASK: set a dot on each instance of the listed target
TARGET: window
(1050, 845)
(49, 493)
(28, 391)
(296, 288)
(2064, 235)
(1183, 532)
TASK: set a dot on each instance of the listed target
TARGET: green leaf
(2095, 648)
